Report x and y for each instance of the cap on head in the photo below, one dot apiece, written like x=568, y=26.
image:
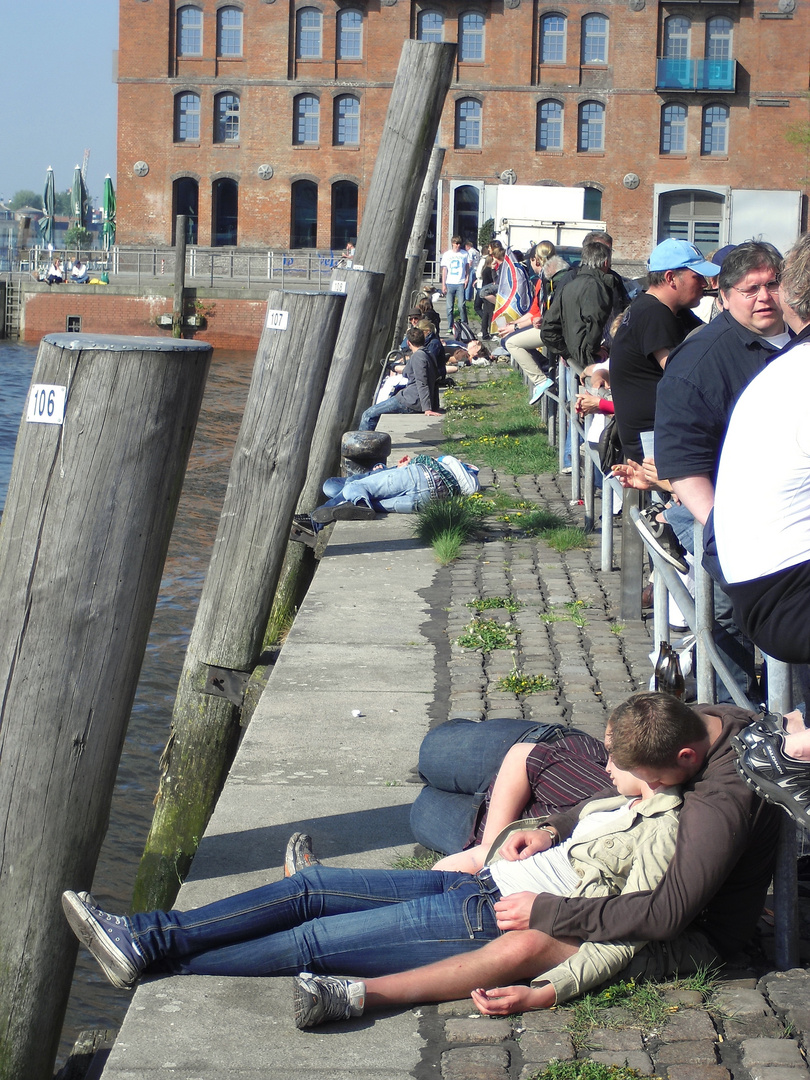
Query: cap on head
x=721, y=254
x=415, y=314
x=672, y=254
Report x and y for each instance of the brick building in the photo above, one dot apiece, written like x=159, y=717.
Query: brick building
x=260, y=119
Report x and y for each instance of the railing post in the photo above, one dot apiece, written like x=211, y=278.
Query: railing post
x=704, y=621
x=632, y=558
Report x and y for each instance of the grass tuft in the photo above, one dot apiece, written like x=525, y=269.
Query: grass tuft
x=566, y=538
x=503, y=603
x=417, y=862
x=585, y=1070
x=487, y=634
x=517, y=682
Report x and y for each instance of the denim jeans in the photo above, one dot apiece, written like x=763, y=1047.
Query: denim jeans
x=455, y=293
x=370, y=418
x=325, y=919
x=401, y=490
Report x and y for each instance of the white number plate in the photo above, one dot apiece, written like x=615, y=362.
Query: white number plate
x=277, y=320
x=46, y=404
x=339, y=286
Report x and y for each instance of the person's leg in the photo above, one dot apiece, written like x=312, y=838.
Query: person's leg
x=325, y=920
x=370, y=418
x=393, y=491
x=514, y=957
x=524, y=348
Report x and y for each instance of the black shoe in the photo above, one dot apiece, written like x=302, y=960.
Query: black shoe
x=661, y=538
x=299, y=534
x=781, y=780
x=766, y=723
x=345, y=511
x=303, y=521
x=299, y=854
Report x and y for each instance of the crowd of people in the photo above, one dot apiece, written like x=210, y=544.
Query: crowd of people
x=569, y=860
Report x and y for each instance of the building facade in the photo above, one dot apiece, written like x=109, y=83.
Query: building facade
x=260, y=119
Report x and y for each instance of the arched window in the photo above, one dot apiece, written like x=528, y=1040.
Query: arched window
x=715, y=130
x=344, y=213
x=466, y=216
x=468, y=123
x=308, y=34
x=591, y=126
x=677, y=33
x=594, y=39
x=471, y=36
x=229, y=31
x=306, y=120
x=549, y=125
x=226, y=118
x=185, y=200
x=349, y=34
x=225, y=212
x=187, y=117
x=592, y=204
x=304, y=214
x=552, y=39
x=430, y=26
x=718, y=38
x=347, y=121
x=673, y=129
x=189, y=31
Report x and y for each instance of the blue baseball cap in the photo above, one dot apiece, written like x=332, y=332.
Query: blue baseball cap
x=672, y=254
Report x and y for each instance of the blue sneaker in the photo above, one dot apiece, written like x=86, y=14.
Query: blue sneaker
x=107, y=937
x=539, y=390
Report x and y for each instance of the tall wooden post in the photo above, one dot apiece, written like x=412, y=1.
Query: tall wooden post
x=416, y=245
x=91, y=502
x=267, y=471
x=414, y=110
x=179, y=301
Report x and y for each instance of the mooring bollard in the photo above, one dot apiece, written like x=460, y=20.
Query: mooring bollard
x=360, y=451
x=97, y=475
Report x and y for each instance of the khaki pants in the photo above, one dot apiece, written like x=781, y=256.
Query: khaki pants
x=682, y=955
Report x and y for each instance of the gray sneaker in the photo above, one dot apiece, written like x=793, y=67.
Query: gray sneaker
x=774, y=776
x=299, y=854
x=763, y=725
x=107, y=937
x=661, y=538
x=320, y=999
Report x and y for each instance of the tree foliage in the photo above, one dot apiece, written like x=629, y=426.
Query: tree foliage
x=25, y=197
x=78, y=237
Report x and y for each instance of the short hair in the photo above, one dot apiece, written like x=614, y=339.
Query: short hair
x=427, y=326
x=455, y=239
x=415, y=336
x=659, y=277
x=601, y=237
x=497, y=249
x=796, y=278
x=649, y=729
x=595, y=255
x=752, y=255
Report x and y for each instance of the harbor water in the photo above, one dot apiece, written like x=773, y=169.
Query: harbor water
x=94, y=1003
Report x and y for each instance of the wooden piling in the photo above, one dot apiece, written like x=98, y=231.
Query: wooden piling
x=415, y=254
x=179, y=300
x=84, y=534
x=267, y=472
x=414, y=110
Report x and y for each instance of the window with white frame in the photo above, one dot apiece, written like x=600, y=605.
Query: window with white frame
x=308, y=34
x=552, y=39
x=306, y=120
x=677, y=35
x=187, y=117
x=714, y=140
x=468, y=124
x=591, y=127
x=430, y=26
x=549, y=125
x=718, y=38
x=673, y=129
x=226, y=118
x=229, y=31
x=350, y=34
x=347, y=120
x=189, y=31
x=471, y=36
x=594, y=39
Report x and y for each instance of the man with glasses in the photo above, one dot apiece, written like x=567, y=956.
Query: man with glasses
x=702, y=380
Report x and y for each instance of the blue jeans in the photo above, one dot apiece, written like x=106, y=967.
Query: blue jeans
x=325, y=919
x=455, y=294
x=370, y=418
x=399, y=490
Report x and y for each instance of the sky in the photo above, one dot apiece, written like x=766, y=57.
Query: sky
x=57, y=92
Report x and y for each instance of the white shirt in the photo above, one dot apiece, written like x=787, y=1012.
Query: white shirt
x=456, y=263
x=762, y=496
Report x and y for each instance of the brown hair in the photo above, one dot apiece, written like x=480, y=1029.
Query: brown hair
x=649, y=730
x=796, y=278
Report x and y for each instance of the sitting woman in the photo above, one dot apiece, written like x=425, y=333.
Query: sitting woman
x=79, y=274
x=54, y=275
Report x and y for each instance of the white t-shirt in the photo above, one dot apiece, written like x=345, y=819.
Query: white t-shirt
x=551, y=871
x=456, y=263
x=762, y=497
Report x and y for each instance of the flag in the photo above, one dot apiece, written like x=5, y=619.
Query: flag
x=514, y=294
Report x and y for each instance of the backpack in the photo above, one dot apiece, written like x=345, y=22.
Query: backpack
x=462, y=333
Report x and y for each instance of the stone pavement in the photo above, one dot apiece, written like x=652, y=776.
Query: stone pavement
x=370, y=664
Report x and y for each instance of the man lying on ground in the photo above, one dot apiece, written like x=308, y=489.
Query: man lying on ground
x=377, y=922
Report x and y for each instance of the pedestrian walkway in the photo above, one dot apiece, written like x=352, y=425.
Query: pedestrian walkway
x=370, y=665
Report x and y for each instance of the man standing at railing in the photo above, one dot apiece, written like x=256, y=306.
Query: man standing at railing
x=703, y=378
x=455, y=274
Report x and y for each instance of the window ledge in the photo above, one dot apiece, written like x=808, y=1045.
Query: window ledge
x=352, y=60
x=309, y=59
x=714, y=157
x=346, y=146
x=592, y=153
x=551, y=153
x=230, y=59
x=227, y=143
x=468, y=150
x=188, y=142
x=306, y=146
x=672, y=157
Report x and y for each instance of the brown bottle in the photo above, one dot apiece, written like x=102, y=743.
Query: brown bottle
x=672, y=680
x=661, y=665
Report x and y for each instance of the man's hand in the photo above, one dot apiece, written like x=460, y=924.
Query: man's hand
x=404, y=461
x=431, y=412
x=513, y=912
x=505, y=1000
x=587, y=403
x=524, y=843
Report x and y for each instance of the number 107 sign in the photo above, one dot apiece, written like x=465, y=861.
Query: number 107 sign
x=46, y=404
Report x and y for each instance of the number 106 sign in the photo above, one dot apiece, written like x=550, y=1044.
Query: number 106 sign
x=46, y=404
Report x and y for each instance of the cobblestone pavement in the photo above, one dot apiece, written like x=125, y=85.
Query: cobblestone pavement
x=568, y=629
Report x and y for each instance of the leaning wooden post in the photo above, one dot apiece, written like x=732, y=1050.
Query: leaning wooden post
x=414, y=110
x=179, y=301
x=97, y=474
x=267, y=471
x=416, y=245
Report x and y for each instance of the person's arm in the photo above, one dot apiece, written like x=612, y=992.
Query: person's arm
x=505, y=1000
x=697, y=495
x=444, y=278
x=419, y=367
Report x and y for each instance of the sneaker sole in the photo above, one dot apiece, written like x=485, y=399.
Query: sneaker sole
x=120, y=971
x=302, y=1004
x=771, y=792
x=344, y=513
x=667, y=556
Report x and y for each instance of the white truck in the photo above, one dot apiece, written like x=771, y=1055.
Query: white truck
x=525, y=214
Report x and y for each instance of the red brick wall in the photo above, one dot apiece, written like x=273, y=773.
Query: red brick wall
x=231, y=323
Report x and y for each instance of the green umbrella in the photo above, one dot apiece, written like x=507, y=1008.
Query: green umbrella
x=78, y=198
x=46, y=223
x=108, y=213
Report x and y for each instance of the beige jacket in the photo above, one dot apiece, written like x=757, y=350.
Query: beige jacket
x=628, y=856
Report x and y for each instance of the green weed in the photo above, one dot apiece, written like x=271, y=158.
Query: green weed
x=585, y=1070
x=505, y=603
x=417, y=862
x=517, y=682
x=487, y=634
x=566, y=538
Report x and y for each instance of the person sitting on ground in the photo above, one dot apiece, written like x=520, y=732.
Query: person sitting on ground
x=473, y=353
x=79, y=274
x=54, y=275
x=419, y=395
x=424, y=305
x=434, y=347
x=304, y=923
x=404, y=488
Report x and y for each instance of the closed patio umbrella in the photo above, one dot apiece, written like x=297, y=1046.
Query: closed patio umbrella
x=108, y=213
x=46, y=223
x=78, y=198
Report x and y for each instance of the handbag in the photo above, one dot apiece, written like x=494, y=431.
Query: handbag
x=610, y=446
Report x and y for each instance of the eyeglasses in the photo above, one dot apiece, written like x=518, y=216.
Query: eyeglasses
x=754, y=291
